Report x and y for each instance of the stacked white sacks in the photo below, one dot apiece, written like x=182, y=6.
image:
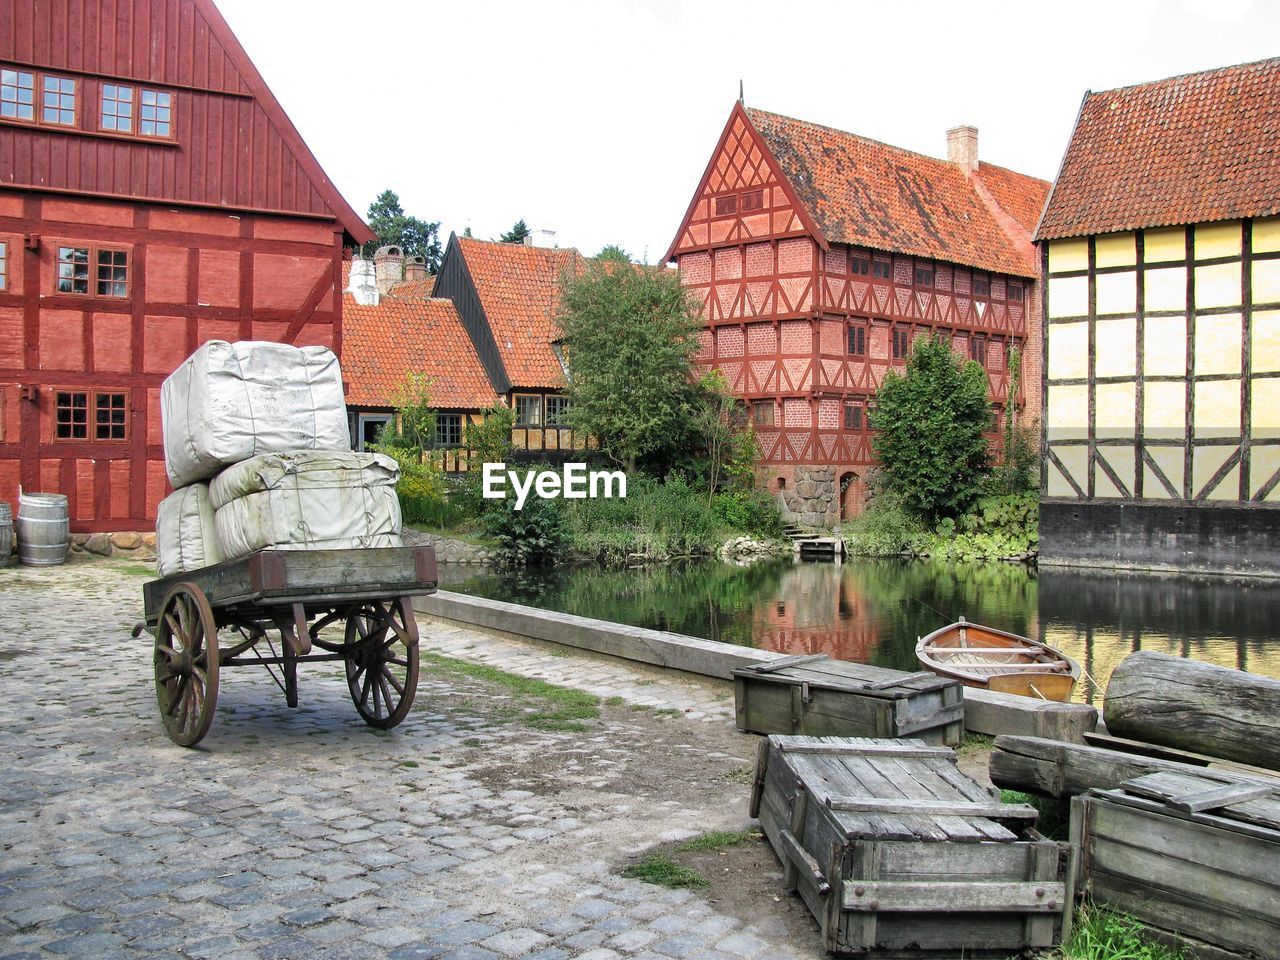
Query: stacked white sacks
x=257, y=449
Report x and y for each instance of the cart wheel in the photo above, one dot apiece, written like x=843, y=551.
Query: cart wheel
x=186, y=664
x=382, y=665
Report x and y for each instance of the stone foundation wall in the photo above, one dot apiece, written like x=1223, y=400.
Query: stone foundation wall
x=807, y=495
x=126, y=545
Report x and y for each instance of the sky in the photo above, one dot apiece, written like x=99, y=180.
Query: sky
x=597, y=119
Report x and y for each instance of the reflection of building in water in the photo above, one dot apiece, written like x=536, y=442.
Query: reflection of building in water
x=817, y=610
x=1099, y=619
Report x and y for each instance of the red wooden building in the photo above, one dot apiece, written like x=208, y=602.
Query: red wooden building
x=819, y=255
x=153, y=195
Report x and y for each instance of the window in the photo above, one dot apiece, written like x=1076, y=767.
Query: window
x=111, y=276
x=853, y=416
x=370, y=427
x=58, y=101
x=17, y=95
x=111, y=422
x=924, y=275
x=73, y=270
x=1015, y=292
x=156, y=114
x=762, y=413
x=117, y=108
x=981, y=286
x=901, y=342
x=557, y=411
x=860, y=266
x=978, y=350
x=752, y=200
x=726, y=205
x=71, y=416
x=4, y=265
x=882, y=269
x=528, y=411
x=449, y=430
x=858, y=341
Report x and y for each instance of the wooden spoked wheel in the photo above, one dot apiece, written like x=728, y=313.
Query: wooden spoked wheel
x=382, y=660
x=186, y=664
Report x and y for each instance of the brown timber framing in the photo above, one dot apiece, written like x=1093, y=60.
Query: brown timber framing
x=1244, y=441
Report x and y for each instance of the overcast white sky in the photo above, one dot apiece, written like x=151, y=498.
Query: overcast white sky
x=596, y=119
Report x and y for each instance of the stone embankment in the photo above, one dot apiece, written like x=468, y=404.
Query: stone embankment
x=449, y=550
x=747, y=549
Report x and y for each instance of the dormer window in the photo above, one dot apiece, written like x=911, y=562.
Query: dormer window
x=17, y=95
x=117, y=108
x=58, y=101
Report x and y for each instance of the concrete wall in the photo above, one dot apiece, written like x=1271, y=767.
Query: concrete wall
x=1145, y=535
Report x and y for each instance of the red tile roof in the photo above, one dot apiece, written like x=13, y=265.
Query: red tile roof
x=863, y=192
x=1189, y=149
x=519, y=291
x=401, y=335
x=415, y=289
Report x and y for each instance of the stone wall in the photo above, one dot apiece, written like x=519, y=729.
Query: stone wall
x=809, y=497
x=126, y=545
x=449, y=550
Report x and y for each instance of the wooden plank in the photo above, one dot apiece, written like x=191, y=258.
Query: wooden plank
x=885, y=896
x=796, y=859
x=1125, y=745
x=866, y=748
x=1217, y=797
x=783, y=663
x=903, y=681
x=934, y=808
x=1042, y=870
x=1169, y=786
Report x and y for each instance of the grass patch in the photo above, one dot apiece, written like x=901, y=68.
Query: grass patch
x=138, y=570
x=974, y=743
x=614, y=702
x=665, y=872
x=1102, y=934
x=553, y=708
x=715, y=840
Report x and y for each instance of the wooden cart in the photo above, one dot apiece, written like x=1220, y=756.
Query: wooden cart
x=295, y=595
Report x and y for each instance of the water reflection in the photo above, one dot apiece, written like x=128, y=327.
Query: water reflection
x=873, y=611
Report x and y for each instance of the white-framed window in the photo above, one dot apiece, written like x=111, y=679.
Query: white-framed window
x=557, y=411
x=528, y=410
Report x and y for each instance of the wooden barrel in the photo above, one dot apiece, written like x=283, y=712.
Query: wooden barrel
x=6, y=533
x=43, y=528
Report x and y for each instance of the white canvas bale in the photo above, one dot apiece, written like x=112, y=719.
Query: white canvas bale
x=308, y=500
x=185, y=534
x=232, y=401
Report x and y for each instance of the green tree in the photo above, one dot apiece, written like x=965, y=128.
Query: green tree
x=929, y=426
x=414, y=413
x=630, y=337
x=418, y=238
x=611, y=251
x=489, y=439
x=517, y=234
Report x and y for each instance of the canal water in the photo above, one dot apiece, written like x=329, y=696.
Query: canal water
x=872, y=611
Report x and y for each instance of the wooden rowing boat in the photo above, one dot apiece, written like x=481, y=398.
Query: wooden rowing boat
x=992, y=659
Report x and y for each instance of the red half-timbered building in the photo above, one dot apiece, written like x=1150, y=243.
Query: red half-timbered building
x=818, y=256
x=153, y=195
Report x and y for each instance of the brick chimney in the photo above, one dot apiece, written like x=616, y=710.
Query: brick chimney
x=415, y=268
x=962, y=148
x=388, y=266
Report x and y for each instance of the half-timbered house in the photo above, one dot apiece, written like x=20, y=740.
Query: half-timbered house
x=508, y=295
x=818, y=256
x=389, y=337
x=153, y=195
x=1161, y=246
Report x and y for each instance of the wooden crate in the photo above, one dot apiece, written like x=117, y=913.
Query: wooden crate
x=1193, y=854
x=819, y=697
x=898, y=854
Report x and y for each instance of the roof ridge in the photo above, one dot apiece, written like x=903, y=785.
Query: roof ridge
x=1016, y=173
x=1183, y=76
x=855, y=136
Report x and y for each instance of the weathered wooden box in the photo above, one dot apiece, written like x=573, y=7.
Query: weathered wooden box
x=898, y=854
x=1195, y=855
x=820, y=697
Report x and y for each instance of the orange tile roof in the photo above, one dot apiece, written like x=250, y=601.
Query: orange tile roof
x=864, y=192
x=401, y=335
x=1188, y=149
x=518, y=288
x=415, y=289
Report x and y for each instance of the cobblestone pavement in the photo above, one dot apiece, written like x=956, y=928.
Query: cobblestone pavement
x=464, y=834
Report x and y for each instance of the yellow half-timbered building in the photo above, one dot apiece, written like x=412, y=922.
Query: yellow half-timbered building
x=1161, y=249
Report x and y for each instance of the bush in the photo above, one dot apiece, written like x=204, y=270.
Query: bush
x=996, y=527
x=655, y=520
x=750, y=511
x=886, y=528
x=533, y=534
